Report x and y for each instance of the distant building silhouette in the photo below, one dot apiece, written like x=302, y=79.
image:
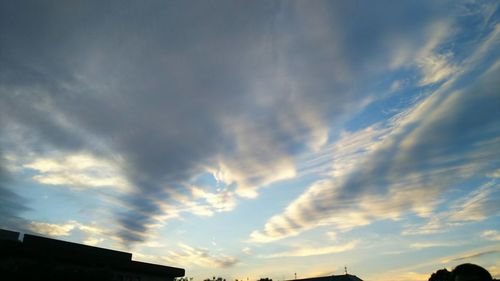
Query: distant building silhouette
x=344, y=277
x=39, y=258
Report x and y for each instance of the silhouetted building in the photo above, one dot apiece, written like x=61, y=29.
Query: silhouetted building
x=9, y=235
x=39, y=258
x=344, y=277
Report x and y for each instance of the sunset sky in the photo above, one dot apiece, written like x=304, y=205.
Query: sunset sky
x=249, y=139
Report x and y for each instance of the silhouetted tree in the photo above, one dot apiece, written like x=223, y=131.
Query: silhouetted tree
x=265, y=279
x=441, y=275
x=214, y=279
x=469, y=271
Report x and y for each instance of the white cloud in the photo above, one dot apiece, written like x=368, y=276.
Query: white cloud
x=433, y=64
x=250, y=173
x=305, y=251
x=494, y=174
x=199, y=256
x=78, y=171
x=477, y=205
x=493, y=235
x=436, y=66
x=425, y=245
x=247, y=251
x=50, y=229
x=332, y=235
x=222, y=200
x=198, y=201
x=94, y=235
x=93, y=241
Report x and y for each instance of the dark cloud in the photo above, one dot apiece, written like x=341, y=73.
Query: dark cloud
x=158, y=84
x=150, y=82
x=11, y=204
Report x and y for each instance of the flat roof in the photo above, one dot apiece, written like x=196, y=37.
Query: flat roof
x=9, y=235
x=42, y=248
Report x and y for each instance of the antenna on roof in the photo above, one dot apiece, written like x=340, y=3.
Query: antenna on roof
x=345, y=268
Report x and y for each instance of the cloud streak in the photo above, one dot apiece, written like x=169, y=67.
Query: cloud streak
x=311, y=251
x=440, y=142
x=193, y=256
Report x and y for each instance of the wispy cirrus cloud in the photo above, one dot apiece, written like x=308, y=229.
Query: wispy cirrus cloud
x=425, y=245
x=306, y=251
x=185, y=254
x=472, y=255
x=475, y=206
x=439, y=139
x=202, y=257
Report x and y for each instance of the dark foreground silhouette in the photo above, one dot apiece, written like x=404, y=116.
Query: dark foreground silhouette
x=37, y=258
x=463, y=272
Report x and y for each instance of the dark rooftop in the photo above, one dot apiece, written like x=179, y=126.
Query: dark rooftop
x=344, y=277
x=41, y=250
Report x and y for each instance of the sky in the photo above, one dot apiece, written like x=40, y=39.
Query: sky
x=249, y=139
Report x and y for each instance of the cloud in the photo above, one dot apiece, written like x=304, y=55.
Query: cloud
x=247, y=251
x=250, y=174
x=477, y=205
x=425, y=245
x=168, y=114
x=495, y=174
x=77, y=171
x=53, y=230
x=493, y=235
x=92, y=234
x=93, y=241
x=442, y=141
x=238, y=96
x=11, y=204
x=436, y=66
x=472, y=255
x=200, y=257
x=221, y=200
x=302, y=251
